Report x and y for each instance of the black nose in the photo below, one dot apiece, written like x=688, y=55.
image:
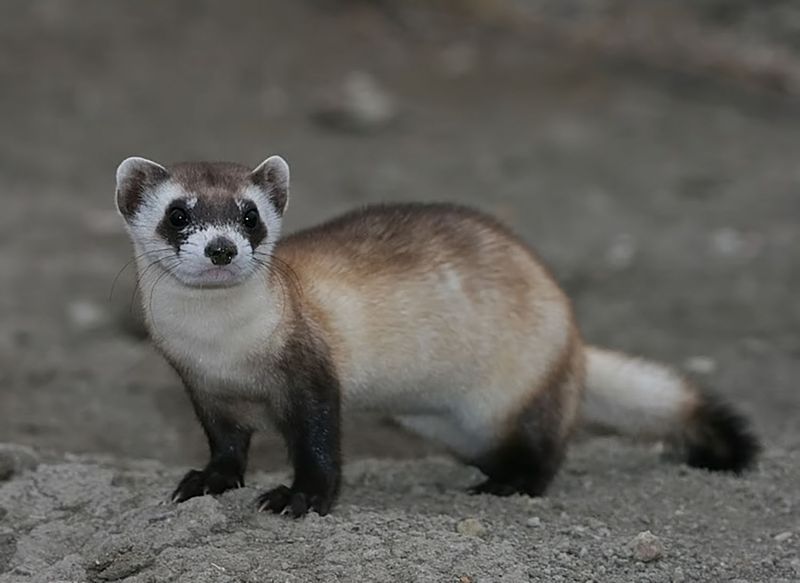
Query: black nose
x=221, y=251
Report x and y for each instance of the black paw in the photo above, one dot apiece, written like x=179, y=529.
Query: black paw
x=208, y=481
x=495, y=488
x=294, y=502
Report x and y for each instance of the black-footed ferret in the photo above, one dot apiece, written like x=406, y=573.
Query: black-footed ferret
x=432, y=313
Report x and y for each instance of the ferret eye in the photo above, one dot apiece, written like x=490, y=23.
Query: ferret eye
x=178, y=217
x=250, y=219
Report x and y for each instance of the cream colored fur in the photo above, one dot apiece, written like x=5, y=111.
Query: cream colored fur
x=635, y=397
x=451, y=370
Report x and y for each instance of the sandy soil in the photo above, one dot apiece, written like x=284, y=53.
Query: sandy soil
x=667, y=205
x=104, y=520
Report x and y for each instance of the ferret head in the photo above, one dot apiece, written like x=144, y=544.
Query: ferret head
x=206, y=224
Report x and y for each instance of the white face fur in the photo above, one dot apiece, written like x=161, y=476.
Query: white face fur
x=208, y=225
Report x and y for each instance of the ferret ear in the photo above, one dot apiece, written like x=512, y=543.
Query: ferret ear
x=135, y=176
x=272, y=175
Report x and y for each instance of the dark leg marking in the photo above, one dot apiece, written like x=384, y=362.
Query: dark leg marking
x=527, y=460
x=311, y=426
x=229, y=445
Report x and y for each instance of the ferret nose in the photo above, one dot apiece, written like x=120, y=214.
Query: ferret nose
x=221, y=251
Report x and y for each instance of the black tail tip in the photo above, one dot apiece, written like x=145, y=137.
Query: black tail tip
x=719, y=438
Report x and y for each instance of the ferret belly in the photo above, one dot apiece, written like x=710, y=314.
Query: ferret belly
x=419, y=361
x=387, y=387
x=410, y=360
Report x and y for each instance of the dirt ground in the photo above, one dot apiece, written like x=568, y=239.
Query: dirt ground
x=665, y=199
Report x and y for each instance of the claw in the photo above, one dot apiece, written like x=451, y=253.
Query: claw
x=284, y=501
x=204, y=482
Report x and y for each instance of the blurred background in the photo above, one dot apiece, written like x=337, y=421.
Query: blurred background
x=648, y=150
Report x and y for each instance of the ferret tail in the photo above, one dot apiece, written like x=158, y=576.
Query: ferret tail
x=647, y=400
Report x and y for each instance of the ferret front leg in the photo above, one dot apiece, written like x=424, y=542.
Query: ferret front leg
x=311, y=426
x=228, y=444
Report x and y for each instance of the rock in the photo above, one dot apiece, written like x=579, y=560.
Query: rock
x=360, y=105
x=783, y=537
x=15, y=459
x=646, y=547
x=471, y=527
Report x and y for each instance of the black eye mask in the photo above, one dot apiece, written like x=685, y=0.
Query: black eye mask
x=180, y=221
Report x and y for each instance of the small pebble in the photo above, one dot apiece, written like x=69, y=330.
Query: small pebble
x=85, y=315
x=646, y=547
x=700, y=365
x=359, y=105
x=471, y=527
x=727, y=242
x=622, y=252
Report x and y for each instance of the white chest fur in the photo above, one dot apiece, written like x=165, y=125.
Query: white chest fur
x=217, y=334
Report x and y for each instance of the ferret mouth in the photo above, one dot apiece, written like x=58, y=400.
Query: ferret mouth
x=214, y=277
